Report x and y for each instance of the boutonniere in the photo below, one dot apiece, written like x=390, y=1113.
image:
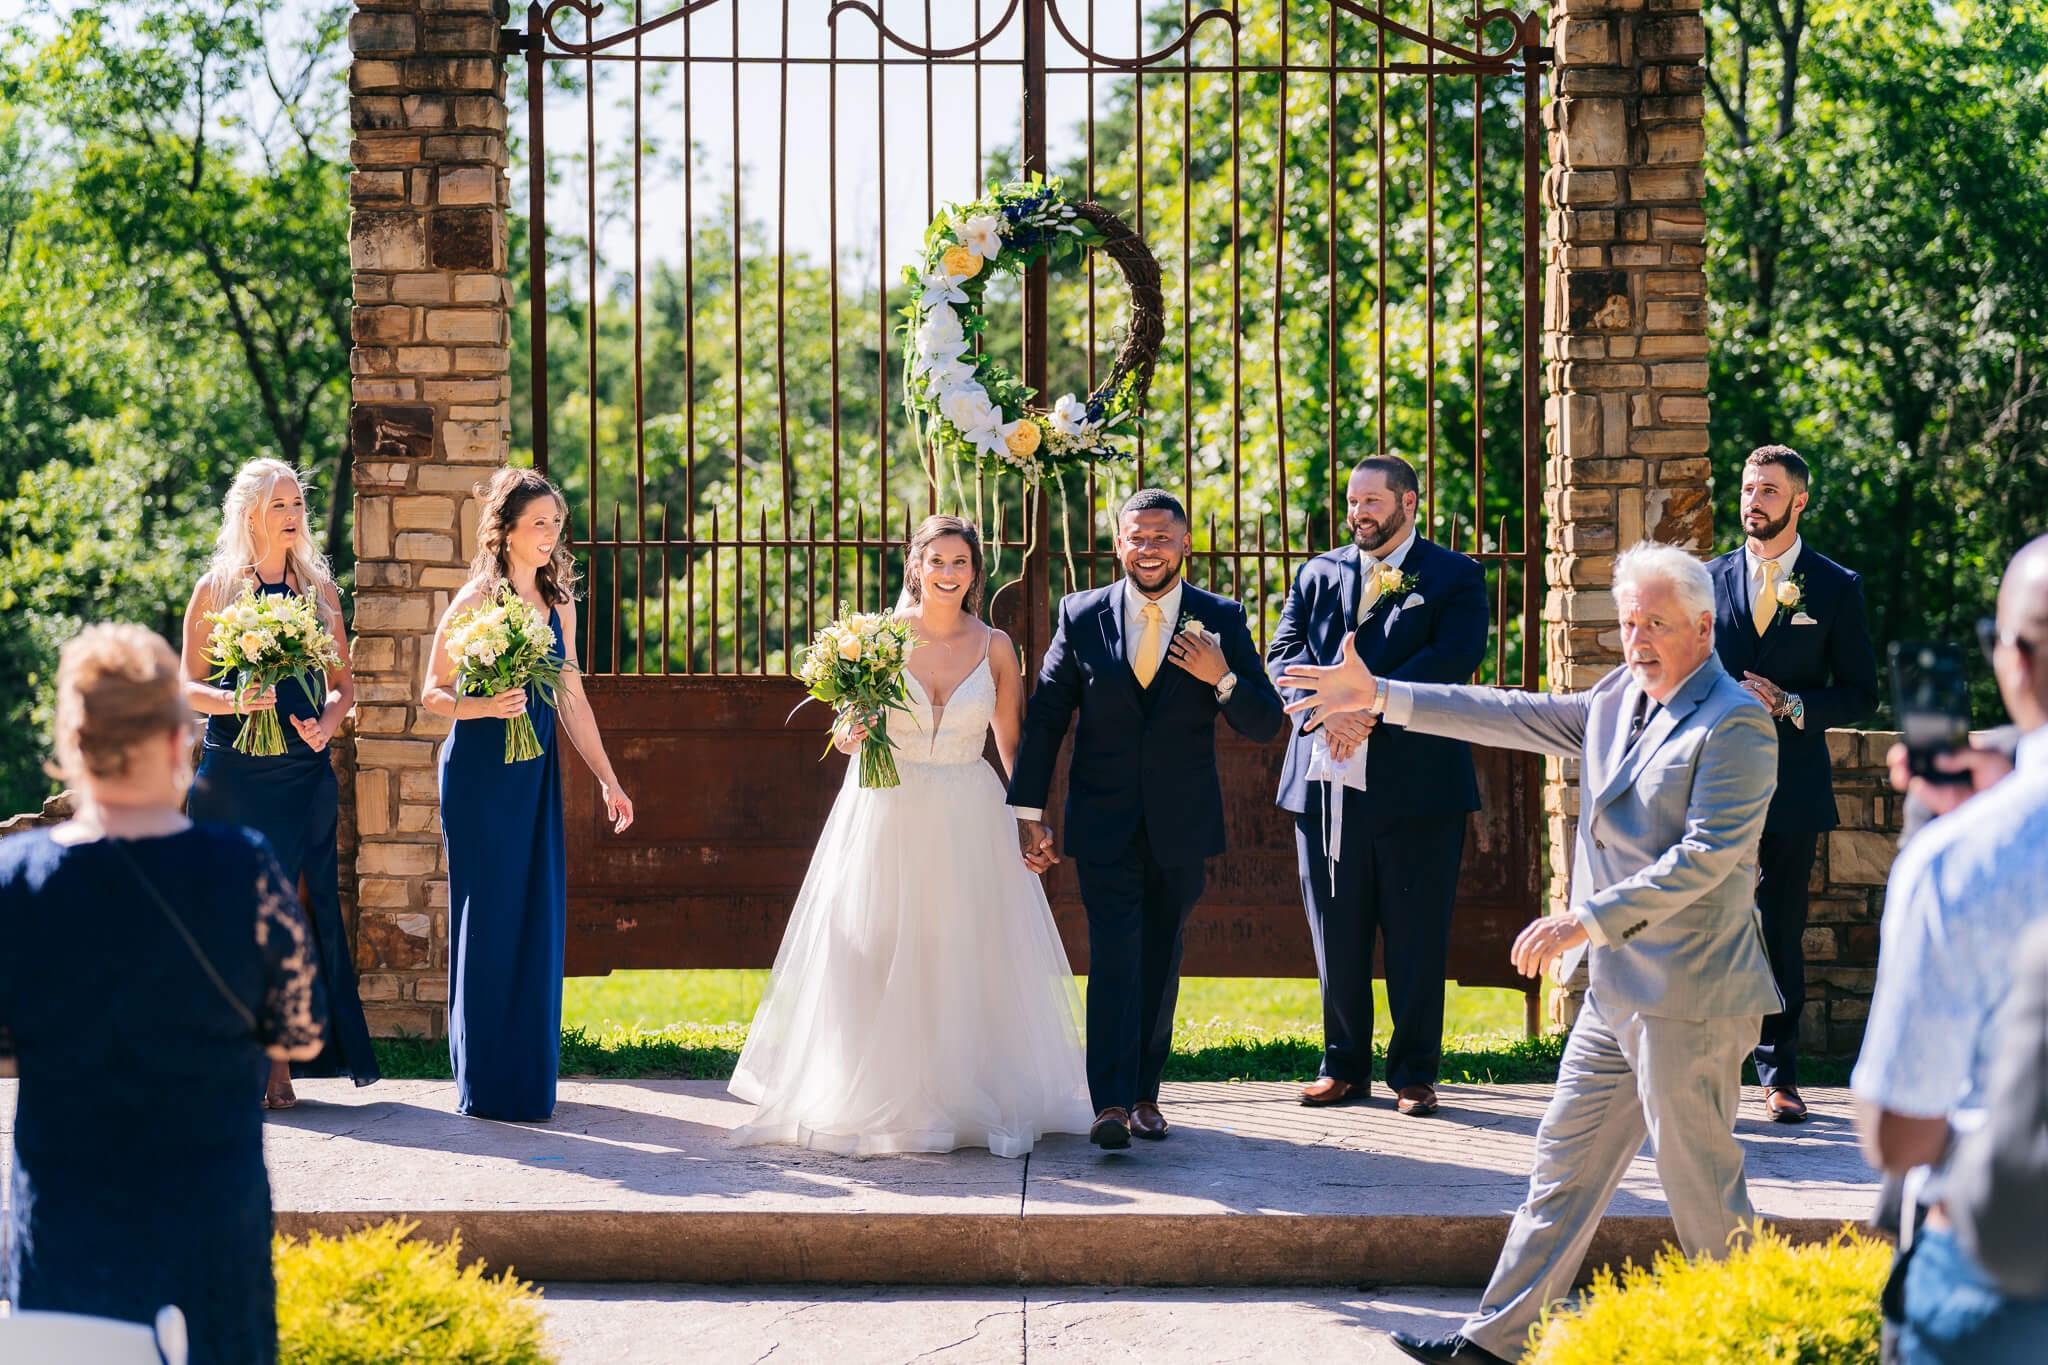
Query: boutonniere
x=1391, y=582
x=1191, y=625
x=1792, y=592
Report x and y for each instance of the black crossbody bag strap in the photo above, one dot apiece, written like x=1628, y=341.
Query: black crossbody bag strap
x=198, y=953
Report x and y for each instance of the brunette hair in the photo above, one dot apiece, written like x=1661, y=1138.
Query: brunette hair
x=938, y=528
x=506, y=498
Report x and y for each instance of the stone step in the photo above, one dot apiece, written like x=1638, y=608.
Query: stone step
x=636, y=1181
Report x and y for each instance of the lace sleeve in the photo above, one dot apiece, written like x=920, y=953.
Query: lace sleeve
x=292, y=1023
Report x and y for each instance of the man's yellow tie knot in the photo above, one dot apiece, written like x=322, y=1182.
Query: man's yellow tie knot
x=1146, y=662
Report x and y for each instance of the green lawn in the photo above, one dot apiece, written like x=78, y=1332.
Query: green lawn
x=693, y=1024
x=1276, y=1006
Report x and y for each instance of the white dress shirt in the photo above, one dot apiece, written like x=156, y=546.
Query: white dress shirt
x=1755, y=567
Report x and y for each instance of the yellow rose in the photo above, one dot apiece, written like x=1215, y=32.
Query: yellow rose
x=1024, y=439
x=960, y=263
x=1788, y=594
x=849, y=648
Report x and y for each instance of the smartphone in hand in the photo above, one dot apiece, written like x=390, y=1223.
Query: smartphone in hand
x=1931, y=699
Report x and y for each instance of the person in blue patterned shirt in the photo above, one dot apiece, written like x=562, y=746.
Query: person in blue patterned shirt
x=1960, y=896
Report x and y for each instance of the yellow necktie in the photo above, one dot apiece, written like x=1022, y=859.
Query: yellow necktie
x=1766, y=604
x=1145, y=663
x=1371, y=594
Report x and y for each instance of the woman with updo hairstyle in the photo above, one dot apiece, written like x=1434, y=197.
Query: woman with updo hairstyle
x=151, y=964
x=502, y=822
x=266, y=543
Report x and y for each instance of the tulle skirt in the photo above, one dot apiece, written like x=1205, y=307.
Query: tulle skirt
x=921, y=1000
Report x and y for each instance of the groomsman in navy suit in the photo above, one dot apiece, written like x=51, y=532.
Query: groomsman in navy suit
x=1788, y=624
x=1419, y=613
x=1146, y=666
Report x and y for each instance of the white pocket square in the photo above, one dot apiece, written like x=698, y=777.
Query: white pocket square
x=1414, y=599
x=1802, y=619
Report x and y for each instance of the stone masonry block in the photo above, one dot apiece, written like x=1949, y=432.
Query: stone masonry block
x=386, y=241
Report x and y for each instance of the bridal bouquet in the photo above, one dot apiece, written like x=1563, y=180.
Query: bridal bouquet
x=502, y=644
x=258, y=641
x=855, y=666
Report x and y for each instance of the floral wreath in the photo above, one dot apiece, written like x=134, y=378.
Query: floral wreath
x=967, y=406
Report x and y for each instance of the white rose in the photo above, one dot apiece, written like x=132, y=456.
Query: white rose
x=1788, y=594
x=1069, y=415
x=849, y=649
x=969, y=410
x=253, y=643
x=940, y=330
x=982, y=234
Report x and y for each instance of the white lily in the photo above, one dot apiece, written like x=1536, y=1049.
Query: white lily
x=993, y=439
x=939, y=287
x=1069, y=415
x=982, y=234
x=943, y=375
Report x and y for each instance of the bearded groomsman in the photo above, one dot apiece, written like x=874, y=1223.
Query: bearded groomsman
x=1380, y=827
x=1789, y=626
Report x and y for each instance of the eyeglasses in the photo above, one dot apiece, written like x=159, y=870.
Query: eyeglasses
x=1989, y=638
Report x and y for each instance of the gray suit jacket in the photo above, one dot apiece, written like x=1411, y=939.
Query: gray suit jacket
x=1666, y=861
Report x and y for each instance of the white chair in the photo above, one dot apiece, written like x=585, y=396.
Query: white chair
x=73, y=1339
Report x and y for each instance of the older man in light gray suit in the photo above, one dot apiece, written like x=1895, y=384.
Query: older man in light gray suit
x=1678, y=766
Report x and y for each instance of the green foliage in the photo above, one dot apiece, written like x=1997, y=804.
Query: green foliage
x=1878, y=272
x=376, y=1296
x=173, y=300
x=1769, y=1303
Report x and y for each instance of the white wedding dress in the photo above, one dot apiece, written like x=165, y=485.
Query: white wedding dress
x=921, y=1000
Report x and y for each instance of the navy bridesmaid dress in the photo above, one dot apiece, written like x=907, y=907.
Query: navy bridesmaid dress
x=507, y=908
x=292, y=800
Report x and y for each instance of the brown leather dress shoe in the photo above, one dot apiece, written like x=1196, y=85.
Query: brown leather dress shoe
x=1327, y=1090
x=1147, y=1122
x=1783, y=1104
x=1416, y=1101
x=1112, y=1129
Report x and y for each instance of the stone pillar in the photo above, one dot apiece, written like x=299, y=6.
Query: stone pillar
x=1625, y=334
x=429, y=420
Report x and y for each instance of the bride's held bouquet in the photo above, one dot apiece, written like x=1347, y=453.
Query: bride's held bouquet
x=258, y=641
x=500, y=644
x=855, y=666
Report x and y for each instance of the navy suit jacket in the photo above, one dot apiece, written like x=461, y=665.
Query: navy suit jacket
x=1143, y=757
x=1829, y=663
x=1440, y=639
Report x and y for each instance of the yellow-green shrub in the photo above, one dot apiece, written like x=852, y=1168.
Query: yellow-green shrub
x=1768, y=1302
x=374, y=1297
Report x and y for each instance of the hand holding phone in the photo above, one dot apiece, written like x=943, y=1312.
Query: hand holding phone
x=1931, y=698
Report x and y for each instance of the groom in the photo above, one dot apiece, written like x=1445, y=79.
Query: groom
x=1147, y=663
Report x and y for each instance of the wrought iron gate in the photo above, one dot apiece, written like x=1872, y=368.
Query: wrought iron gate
x=1344, y=202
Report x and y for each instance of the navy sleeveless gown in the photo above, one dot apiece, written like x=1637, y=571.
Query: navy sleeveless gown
x=507, y=908
x=292, y=800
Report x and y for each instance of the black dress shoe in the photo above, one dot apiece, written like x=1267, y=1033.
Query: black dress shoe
x=1450, y=1350
x=1112, y=1129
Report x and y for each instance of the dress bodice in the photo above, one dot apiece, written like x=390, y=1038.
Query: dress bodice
x=948, y=735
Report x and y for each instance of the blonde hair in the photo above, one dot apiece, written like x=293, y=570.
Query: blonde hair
x=236, y=553
x=936, y=528
x=117, y=686
x=505, y=498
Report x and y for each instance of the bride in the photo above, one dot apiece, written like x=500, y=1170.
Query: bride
x=921, y=1000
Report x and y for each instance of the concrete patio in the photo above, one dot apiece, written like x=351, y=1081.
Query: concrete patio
x=636, y=1181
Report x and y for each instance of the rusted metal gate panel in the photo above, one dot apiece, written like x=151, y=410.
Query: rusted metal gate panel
x=1359, y=275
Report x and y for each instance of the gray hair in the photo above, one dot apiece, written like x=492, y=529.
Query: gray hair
x=1651, y=561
